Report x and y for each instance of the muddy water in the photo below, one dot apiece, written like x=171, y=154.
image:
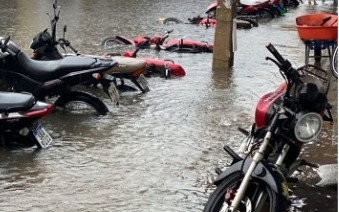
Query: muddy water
x=156, y=151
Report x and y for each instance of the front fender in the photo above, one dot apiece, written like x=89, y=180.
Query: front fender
x=124, y=40
x=264, y=172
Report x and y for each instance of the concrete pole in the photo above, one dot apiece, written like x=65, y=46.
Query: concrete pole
x=223, y=45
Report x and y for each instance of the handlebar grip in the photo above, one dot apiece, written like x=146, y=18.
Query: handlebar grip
x=275, y=53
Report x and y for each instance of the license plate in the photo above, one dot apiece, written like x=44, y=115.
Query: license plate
x=143, y=82
x=113, y=93
x=42, y=136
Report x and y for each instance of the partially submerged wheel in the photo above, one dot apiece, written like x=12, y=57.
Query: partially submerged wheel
x=264, y=15
x=335, y=63
x=172, y=20
x=258, y=197
x=112, y=42
x=80, y=102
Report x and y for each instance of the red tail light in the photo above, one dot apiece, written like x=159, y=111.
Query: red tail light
x=39, y=112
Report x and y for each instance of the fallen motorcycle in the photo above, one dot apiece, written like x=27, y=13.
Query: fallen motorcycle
x=19, y=120
x=285, y=120
x=161, y=43
x=261, y=11
x=45, y=45
x=56, y=79
x=241, y=22
x=164, y=68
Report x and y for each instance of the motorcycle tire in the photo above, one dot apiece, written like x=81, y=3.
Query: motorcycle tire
x=251, y=21
x=334, y=63
x=111, y=42
x=88, y=99
x=172, y=20
x=217, y=199
x=265, y=15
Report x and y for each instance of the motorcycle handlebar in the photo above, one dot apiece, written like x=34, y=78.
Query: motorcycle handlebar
x=283, y=64
x=65, y=42
x=275, y=53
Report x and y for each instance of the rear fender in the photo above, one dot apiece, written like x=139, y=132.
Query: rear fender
x=268, y=174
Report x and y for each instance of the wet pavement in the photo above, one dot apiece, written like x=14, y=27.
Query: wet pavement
x=156, y=151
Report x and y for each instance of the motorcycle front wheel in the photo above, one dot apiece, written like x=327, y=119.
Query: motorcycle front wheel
x=259, y=197
x=81, y=102
x=112, y=42
x=171, y=20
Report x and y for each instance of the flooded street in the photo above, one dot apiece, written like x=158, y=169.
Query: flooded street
x=155, y=151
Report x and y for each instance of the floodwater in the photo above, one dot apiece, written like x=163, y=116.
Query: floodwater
x=156, y=151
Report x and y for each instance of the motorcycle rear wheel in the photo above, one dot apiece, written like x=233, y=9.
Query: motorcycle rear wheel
x=81, y=102
x=272, y=203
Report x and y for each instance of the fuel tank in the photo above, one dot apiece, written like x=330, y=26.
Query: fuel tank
x=264, y=108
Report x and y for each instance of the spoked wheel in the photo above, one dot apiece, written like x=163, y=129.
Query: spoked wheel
x=78, y=102
x=335, y=63
x=258, y=198
x=171, y=20
x=265, y=15
x=112, y=42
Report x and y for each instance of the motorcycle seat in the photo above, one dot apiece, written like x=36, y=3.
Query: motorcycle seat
x=15, y=102
x=43, y=71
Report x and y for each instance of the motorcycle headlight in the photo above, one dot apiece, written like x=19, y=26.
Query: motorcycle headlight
x=308, y=126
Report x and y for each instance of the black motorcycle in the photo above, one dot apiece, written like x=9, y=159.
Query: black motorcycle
x=56, y=79
x=285, y=120
x=19, y=120
x=45, y=47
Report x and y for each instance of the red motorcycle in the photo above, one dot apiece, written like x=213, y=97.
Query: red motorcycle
x=246, y=12
x=285, y=120
x=260, y=10
x=164, y=68
x=160, y=43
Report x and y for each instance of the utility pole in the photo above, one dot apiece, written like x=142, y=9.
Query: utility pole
x=223, y=55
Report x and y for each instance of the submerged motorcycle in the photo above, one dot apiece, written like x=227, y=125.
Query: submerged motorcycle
x=164, y=68
x=161, y=43
x=259, y=10
x=285, y=120
x=19, y=115
x=45, y=47
x=55, y=79
x=243, y=22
